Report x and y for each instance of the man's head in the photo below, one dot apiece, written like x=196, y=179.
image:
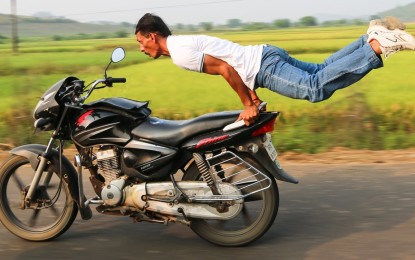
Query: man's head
x=149, y=30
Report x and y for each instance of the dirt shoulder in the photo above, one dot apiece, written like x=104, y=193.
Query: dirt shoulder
x=334, y=156
x=348, y=156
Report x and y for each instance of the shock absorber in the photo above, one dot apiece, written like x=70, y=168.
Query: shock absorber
x=204, y=171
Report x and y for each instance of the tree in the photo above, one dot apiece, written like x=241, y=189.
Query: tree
x=179, y=27
x=374, y=17
x=256, y=26
x=121, y=34
x=308, y=21
x=191, y=28
x=57, y=38
x=206, y=26
x=234, y=23
x=333, y=23
x=282, y=23
x=359, y=22
x=126, y=24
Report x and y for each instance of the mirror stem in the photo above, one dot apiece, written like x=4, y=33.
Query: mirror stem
x=105, y=71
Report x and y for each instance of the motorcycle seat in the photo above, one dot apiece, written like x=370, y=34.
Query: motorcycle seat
x=174, y=132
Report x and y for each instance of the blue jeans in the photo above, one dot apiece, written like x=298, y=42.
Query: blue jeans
x=316, y=82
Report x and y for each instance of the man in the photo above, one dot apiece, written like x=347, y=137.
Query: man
x=247, y=67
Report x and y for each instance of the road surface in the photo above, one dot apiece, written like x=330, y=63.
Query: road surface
x=337, y=211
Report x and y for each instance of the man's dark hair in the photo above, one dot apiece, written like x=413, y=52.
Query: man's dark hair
x=152, y=23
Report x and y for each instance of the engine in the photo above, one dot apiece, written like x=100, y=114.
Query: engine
x=109, y=167
x=161, y=197
x=108, y=164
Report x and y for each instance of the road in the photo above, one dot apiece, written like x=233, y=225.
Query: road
x=362, y=211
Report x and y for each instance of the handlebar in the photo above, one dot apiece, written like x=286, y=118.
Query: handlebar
x=107, y=82
x=116, y=80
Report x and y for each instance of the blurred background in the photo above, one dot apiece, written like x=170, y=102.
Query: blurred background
x=43, y=41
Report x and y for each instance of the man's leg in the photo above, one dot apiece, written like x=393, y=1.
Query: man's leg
x=313, y=68
x=316, y=82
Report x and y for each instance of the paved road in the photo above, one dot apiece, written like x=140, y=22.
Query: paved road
x=336, y=212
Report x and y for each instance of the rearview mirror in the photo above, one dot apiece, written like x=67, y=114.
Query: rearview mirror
x=118, y=55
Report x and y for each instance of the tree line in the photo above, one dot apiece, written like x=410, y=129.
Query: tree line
x=306, y=21
x=231, y=24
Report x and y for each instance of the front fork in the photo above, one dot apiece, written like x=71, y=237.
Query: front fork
x=38, y=174
x=43, y=162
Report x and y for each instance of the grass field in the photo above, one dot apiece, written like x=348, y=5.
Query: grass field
x=375, y=113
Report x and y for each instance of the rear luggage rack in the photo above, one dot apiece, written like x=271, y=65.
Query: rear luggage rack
x=237, y=174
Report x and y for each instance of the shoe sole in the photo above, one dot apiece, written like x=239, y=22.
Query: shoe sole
x=389, y=22
x=393, y=23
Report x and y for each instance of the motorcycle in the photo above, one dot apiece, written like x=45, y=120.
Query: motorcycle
x=214, y=175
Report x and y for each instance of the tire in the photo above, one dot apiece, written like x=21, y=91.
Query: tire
x=257, y=216
x=40, y=224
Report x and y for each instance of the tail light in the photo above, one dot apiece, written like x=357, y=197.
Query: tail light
x=268, y=127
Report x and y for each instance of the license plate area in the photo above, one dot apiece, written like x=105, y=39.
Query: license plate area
x=269, y=147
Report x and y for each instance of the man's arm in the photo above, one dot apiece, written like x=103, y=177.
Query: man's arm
x=216, y=66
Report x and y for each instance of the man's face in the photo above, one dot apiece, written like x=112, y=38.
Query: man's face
x=149, y=44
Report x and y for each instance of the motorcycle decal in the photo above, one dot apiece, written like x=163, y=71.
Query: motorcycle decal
x=83, y=116
x=211, y=140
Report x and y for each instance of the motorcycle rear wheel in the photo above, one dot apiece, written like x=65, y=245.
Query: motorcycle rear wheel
x=53, y=215
x=257, y=216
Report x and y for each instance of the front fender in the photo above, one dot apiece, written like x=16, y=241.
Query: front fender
x=32, y=153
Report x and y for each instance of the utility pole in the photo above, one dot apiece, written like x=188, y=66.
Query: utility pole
x=15, y=36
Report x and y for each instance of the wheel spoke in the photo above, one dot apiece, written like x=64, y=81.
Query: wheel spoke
x=247, y=218
x=17, y=181
x=33, y=219
x=52, y=207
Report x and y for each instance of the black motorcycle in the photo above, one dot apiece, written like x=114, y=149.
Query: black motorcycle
x=214, y=175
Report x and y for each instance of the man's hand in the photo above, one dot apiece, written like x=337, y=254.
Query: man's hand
x=249, y=115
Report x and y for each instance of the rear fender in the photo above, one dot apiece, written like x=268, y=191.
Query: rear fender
x=32, y=153
x=261, y=156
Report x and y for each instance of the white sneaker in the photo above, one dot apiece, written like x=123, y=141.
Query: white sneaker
x=389, y=22
x=392, y=41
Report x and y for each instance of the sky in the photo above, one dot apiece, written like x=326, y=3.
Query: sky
x=197, y=11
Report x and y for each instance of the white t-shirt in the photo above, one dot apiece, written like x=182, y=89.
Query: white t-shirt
x=187, y=51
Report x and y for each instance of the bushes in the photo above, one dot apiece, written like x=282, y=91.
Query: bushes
x=355, y=127
x=84, y=36
x=16, y=126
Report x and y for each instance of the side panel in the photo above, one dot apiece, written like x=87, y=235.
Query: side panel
x=148, y=161
x=101, y=127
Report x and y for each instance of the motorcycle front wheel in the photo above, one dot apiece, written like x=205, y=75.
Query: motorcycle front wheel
x=257, y=215
x=52, y=210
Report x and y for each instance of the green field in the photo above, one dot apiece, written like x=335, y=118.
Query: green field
x=375, y=113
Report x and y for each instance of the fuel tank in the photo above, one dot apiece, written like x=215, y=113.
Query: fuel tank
x=109, y=121
x=101, y=127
